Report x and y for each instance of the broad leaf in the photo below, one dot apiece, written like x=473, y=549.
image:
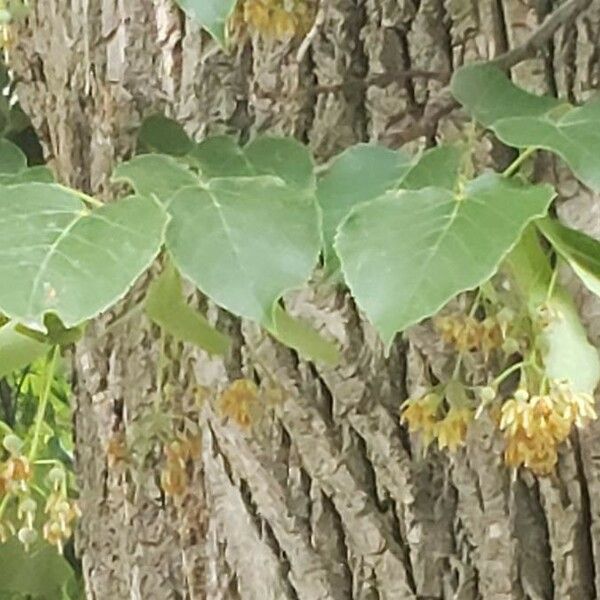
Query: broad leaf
x=37, y=174
x=581, y=251
x=489, y=95
x=163, y=135
x=166, y=306
x=57, y=256
x=211, y=14
x=155, y=175
x=286, y=158
x=361, y=173
x=17, y=350
x=306, y=341
x=437, y=167
x=406, y=254
x=12, y=159
x=244, y=241
x=575, y=137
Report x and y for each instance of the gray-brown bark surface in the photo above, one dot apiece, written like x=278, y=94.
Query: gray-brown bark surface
x=327, y=497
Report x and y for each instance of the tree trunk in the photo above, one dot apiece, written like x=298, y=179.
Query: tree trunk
x=326, y=497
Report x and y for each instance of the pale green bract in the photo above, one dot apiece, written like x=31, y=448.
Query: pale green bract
x=211, y=14
x=58, y=256
x=244, y=241
x=406, y=254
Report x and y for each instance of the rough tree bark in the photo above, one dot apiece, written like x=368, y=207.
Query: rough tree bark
x=325, y=500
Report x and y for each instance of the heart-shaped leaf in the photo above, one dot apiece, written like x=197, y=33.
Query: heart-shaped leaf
x=211, y=14
x=167, y=307
x=17, y=350
x=37, y=174
x=306, y=341
x=489, y=95
x=163, y=135
x=57, y=256
x=286, y=158
x=575, y=137
x=244, y=241
x=155, y=175
x=360, y=173
x=406, y=254
x=581, y=251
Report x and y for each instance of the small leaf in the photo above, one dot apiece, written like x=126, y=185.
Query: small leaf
x=406, y=254
x=575, y=137
x=581, y=251
x=17, y=350
x=211, y=14
x=58, y=334
x=489, y=95
x=286, y=158
x=57, y=256
x=12, y=159
x=306, y=341
x=360, y=173
x=437, y=167
x=163, y=135
x=166, y=306
x=244, y=241
x=155, y=175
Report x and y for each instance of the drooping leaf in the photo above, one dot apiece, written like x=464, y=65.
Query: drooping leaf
x=57, y=256
x=286, y=158
x=306, y=341
x=581, y=251
x=406, y=254
x=155, y=175
x=12, y=159
x=17, y=350
x=361, y=173
x=437, y=167
x=489, y=95
x=163, y=135
x=244, y=241
x=575, y=137
x=166, y=306
x=211, y=14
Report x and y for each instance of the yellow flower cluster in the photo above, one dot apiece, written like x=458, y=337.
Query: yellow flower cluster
x=426, y=416
x=174, y=478
x=277, y=19
x=466, y=333
x=240, y=402
x=535, y=426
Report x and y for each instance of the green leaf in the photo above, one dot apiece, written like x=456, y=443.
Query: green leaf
x=489, y=95
x=155, y=174
x=575, y=137
x=305, y=340
x=37, y=174
x=41, y=573
x=166, y=306
x=17, y=350
x=12, y=159
x=360, y=173
x=406, y=254
x=211, y=14
x=581, y=251
x=57, y=256
x=286, y=158
x=437, y=167
x=244, y=241
x=163, y=135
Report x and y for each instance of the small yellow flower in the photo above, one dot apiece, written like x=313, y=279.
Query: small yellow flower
x=452, y=429
x=420, y=414
x=240, y=402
